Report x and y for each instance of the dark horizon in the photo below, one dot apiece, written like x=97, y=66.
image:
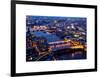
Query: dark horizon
x=67, y=20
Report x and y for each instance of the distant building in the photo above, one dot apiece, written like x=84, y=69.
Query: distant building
x=39, y=28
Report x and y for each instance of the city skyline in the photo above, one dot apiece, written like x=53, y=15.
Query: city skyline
x=55, y=36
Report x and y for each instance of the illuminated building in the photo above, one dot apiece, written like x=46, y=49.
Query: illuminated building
x=39, y=28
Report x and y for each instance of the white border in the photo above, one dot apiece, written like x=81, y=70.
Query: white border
x=22, y=66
